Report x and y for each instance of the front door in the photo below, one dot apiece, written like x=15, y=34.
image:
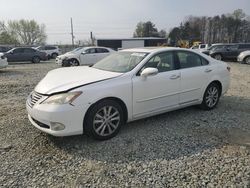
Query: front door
x=157, y=92
x=15, y=55
x=88, y=58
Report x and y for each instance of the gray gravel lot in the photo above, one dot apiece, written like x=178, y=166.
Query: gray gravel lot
x=184, y=148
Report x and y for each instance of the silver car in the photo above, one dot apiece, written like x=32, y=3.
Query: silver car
x=244, y=57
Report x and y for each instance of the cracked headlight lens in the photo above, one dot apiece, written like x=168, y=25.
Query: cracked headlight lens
x=63, y=98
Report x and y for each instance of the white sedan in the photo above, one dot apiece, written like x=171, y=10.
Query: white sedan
x=125, y=86
x=83, y=56
x=3, y=61
x=244, y=57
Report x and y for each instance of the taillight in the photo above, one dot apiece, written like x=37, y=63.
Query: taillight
x=228, y=68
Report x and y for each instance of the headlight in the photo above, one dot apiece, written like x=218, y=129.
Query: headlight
x=64, y=98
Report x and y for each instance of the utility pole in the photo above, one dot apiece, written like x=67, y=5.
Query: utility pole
x=91, y=37
x=72, y=32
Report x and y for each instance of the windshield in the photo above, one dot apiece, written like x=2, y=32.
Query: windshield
x=120, y=61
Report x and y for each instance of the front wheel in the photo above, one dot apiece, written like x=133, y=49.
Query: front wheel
x=73, y=62
x=54, y=55
x=211, y=97
x=218, y=57
x=104, y=120
x=36, y=59
x=247, y=60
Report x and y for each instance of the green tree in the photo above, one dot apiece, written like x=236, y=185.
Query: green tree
x=27, y=32
x=146, y=29
x=6, y=38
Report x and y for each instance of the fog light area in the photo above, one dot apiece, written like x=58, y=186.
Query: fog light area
x=55, y=126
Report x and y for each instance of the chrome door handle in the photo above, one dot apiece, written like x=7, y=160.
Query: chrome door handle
x=208, y=70
x=174, y=77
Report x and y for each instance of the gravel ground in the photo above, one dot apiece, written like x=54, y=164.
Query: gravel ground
x=184, y=148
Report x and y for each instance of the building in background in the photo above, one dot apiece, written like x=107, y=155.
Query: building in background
x=125, y=43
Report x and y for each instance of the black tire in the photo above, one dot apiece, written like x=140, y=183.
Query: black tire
x=218, y=57
x=209, y=102
x=36, y=59
x=247, y=60
x=72, y=62
x=54, y=55
x=104, y=128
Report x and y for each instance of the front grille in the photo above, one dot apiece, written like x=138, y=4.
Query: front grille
x=34, y=98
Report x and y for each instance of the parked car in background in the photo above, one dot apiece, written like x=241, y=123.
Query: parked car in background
x=83, y=56
x=244, y=57
x=3, y=61
x=5, y=48
x=52, y=51
x=125, y=86
x=230, y=51
x=200, y=46
x=212, y=47
x=25, y=54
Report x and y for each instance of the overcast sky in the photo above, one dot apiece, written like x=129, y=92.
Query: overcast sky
x=111, y=18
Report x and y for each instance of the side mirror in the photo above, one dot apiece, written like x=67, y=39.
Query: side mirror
x=83, y=53
x=149, y=72
x=11, y=52
x=228, y=49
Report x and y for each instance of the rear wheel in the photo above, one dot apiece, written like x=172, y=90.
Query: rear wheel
x=54, y=55
x=104, y=120
x=36, y=59
x=211, y=97
x=218, y=57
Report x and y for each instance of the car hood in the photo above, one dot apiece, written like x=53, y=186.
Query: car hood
x=64, y=79
x=67, y=55
x=245, y=52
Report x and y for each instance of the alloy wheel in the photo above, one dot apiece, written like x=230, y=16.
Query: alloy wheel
x=247, y=61
x=73, y=62
x=218, y=57
x=212, y=96
x=106, y=121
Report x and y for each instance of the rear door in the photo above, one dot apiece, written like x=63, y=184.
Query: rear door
x=232, y=51
x=195, y=71
x=16, y=55
x=101, y=53
x=28, y=54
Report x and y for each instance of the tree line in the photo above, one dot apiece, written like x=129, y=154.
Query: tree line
x=24, y=32
x=225, y=28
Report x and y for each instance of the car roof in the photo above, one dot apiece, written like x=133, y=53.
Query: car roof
x=152, y=49
x=22, y=47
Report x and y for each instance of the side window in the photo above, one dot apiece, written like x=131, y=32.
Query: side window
x=101, y=50
x=163, y=62
x=91, y=51
x=18, y=50
x=233, y=47
x=244, y=46
x=50, y=48
x=28, y=50
x=202, y=46
x=188, y=60
x=204, y=61
x=41, y=48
